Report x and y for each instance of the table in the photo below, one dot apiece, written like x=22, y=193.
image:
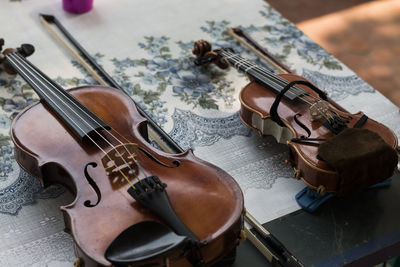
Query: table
x=361, y=230
x=146, y=47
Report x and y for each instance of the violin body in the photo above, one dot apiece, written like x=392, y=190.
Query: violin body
x=256, y=101
x=207, y=200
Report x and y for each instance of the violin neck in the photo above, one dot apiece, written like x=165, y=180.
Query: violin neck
x=66, y=107
x=260, y=74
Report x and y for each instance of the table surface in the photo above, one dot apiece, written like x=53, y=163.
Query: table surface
x=361, y=230
x=147, y=49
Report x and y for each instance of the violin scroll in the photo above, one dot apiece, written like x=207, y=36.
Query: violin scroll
x=25, y=50
x=204, y=54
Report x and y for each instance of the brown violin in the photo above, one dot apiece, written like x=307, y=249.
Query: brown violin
x=299, y=114
x=134, y=204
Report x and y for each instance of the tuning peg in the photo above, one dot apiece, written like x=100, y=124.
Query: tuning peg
x=1, y=48
x=6, y=66
x=1, y=44
x=201, y=48
x=204, y=55
x=26, y=50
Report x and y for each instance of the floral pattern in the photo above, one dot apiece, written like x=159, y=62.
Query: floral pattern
x=196, y=105
x=196, y=86
x=338, y=88
x=6, y=158
x=284, y=36
x=23, y=191
x=192, y=130
x=168, y=72
x=192, y=85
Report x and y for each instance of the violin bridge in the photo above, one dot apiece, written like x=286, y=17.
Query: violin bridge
x=318, y=110
x=120, y=162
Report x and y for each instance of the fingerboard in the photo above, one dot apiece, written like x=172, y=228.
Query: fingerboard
x=260, y=74
x=74, y=114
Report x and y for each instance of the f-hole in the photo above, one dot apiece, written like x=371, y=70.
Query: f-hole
x=93, y=184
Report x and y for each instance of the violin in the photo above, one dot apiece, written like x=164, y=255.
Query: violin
x=297, y=113
x=134, y=204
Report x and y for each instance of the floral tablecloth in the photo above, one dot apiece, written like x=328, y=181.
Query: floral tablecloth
x=146, y=46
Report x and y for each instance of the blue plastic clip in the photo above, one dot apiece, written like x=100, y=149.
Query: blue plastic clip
x=309, y=200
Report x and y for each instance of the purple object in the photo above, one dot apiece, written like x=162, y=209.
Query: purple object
x=77, y=6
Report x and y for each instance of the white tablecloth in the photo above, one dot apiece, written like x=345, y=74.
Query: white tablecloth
x=146, y=46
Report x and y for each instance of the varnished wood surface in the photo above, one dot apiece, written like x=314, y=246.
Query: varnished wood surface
x=204, y=197
x=256, y=99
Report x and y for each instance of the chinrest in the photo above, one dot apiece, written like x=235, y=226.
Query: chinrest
x=144, y=241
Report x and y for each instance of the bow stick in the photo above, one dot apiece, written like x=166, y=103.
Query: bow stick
x=155, y=131
x=245, y=39
x=276, y=252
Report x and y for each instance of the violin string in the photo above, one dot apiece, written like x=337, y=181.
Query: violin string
x=11, y=57
x=273, y=76
x=249, y=64
x=260, y=70
x=95, y=121
x=290, y=91
x=113, y=147
x=32, y=81
x=265, y=72
x=294, y=91
x=105, y=153
x=231, y=56
x=297, y=91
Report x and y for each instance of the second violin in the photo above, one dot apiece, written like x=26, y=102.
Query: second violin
x=331, y=150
